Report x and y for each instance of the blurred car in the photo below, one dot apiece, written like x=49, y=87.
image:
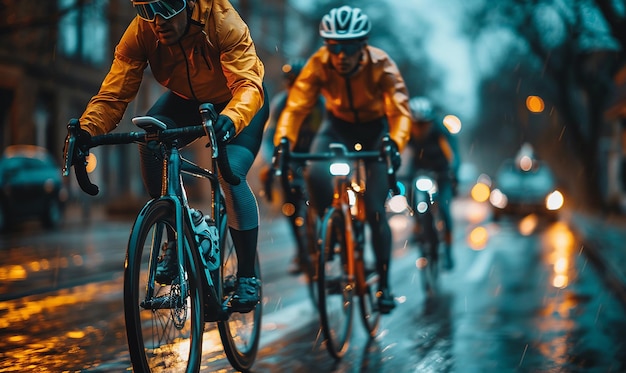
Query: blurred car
x=31, y=187
x=525, y=185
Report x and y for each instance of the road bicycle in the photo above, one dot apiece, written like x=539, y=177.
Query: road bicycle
x=343, y=268
x=165, y=323
x=424, y=207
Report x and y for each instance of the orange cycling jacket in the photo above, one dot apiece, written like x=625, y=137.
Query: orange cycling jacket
x=375, y=90
x=215, y=61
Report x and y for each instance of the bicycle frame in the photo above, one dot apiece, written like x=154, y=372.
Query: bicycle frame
x=347, y=182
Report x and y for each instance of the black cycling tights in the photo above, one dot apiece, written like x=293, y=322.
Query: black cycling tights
x=320, y=184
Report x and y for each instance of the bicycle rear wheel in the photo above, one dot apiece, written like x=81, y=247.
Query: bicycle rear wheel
x=240, y=334
x=367, y=283
x=334, y=290
x=164, y=324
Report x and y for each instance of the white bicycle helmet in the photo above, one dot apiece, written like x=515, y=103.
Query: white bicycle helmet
x=345, y=23
x=422, y=109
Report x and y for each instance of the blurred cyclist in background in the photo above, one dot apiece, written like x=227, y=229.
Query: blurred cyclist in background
x=295, y=193
x=366, y=98
x=435, y=149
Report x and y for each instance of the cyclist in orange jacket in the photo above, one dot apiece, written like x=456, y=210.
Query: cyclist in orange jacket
x=366, y=97
x=200, y=51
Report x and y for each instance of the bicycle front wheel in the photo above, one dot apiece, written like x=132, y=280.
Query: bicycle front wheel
x=240, y=334
x=428, y=263
x=334, y=289
x=312, y=253
x=164, y=323
x=367, y=283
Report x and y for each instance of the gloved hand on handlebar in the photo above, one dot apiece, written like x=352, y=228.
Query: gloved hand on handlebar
x=80, y=150
x=224, y=129
x=83, y=139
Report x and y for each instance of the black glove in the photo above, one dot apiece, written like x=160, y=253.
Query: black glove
x=396, y=160
x=224, y=129
x=83, y=140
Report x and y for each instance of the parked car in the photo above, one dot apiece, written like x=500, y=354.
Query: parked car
x=31, y=187
x=525, y=185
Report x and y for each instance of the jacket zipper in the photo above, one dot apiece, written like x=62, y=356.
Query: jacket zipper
x=187, y=68
x=350, y=100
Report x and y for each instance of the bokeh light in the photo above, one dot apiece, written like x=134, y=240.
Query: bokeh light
x=535, y=104
x=452, y=123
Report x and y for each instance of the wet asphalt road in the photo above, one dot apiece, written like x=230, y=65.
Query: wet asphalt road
x=522, y=298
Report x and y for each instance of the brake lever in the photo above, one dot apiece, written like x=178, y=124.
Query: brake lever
x=78, y=161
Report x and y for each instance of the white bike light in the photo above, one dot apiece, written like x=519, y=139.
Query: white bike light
x=339, y=168
x=425, y=184
x=422, y=207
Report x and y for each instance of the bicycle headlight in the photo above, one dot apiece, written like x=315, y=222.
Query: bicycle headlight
x=339, y=168
x=425, y=184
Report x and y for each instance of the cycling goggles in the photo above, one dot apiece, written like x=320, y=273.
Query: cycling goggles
x=348, y=48
x=167, y=9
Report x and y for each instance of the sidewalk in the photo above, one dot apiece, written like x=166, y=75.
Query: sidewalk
x=604, y=240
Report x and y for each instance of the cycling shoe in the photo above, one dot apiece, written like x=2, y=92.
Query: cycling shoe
x=246, y=296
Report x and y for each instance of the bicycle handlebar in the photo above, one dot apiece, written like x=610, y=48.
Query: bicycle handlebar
x=282, y=156
x=75, y=154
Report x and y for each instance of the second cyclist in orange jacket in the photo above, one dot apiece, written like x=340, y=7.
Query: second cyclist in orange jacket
x=366, y=98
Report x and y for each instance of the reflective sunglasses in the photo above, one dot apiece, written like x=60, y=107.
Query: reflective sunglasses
x=167, y=9
x=348, y=48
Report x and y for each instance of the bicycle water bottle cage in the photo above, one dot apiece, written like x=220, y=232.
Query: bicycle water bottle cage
x=149, y=124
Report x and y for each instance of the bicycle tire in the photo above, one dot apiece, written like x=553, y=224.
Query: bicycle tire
x=310, y=258
x=429, y=249
x=240, y=334
x=164, y=330
x=367, y=283
x=335, y=293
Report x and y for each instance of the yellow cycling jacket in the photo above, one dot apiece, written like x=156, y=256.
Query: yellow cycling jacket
x=376, y=89
x=215, y=61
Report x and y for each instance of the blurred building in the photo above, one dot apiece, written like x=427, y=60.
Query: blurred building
x=613, y=146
